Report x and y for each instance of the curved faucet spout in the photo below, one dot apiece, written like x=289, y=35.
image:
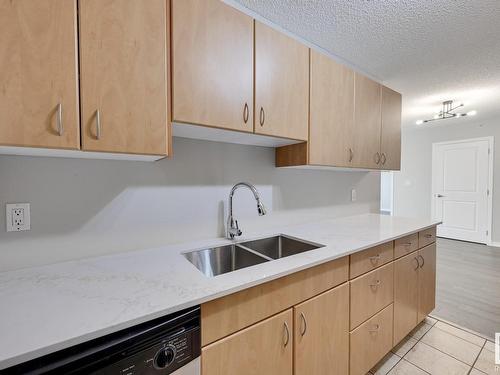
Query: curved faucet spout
x=232, y=229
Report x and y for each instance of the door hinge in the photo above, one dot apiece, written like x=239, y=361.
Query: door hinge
x=488, y=192
x=489, y=151
x=487, y=233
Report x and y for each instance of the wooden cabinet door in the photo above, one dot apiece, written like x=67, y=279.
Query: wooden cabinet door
x=390, y=146
x=281, y=85
x=367, y=123
x=426, y=281
x=38, y=74
x=405, y=295
x=332, y=112
x=212, y=65
x=321, y=334
x=264, y=348
x=123, y=66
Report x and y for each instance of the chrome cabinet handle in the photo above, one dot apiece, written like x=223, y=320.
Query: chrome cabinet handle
x=351, y=155
x=374, y=259
x=60, y=126
x=377, y=158
x=383, y=158
x=98, y=124
x=303, y=318
x=246, y=113
x=375, y=328
x=376, y=284
x=262, y=117
x=423, y=260
x=418, y=264
x=428, y=235
x=407, y=244
x=287, y=334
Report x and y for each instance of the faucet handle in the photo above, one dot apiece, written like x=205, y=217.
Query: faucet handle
x=238, y=231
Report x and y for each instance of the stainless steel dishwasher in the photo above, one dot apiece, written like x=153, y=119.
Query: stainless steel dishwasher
x=164, y=346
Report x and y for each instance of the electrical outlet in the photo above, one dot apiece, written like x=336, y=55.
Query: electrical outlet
x=17, y=217
x=354, y=195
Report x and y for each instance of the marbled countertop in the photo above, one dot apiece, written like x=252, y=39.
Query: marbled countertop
x=45, y=309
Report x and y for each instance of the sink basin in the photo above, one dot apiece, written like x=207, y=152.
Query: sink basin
x=280, y=246
x=218, y=260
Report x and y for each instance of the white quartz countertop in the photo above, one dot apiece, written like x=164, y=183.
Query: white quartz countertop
x=45, y=309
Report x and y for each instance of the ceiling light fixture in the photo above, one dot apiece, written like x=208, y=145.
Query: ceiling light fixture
x=448, y=112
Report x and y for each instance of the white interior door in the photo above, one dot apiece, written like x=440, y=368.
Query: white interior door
x=460, y=189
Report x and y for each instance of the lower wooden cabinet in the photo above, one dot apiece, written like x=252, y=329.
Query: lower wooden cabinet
x=426, y=281
x=318, y=322
x=321, y=334
x=264, y=348
x=414, y=289
x=405, y=295
x=371, y=341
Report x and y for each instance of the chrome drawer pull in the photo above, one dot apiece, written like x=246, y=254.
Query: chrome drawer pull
x=418, y=264
x=60, y=127
x=375, y=328
x=377, y=283
x=287, y=334
x=303, y=331
x=245, y=113
x=374, y=259
x=423, y=261
x=428, y=236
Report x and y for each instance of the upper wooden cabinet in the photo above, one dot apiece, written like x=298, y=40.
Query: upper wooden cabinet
x=332, y=112
x=281, y=85
x=123, y=76
x=38, y=74
x=390, y=143
x=212, y=65
x=264, y=348
x=367, y=123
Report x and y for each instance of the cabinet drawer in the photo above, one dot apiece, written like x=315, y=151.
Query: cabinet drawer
x=371, y=341
x=368, y=260
x=405, y=245
x=426, y=237
x=228, y=314
x=370, y=293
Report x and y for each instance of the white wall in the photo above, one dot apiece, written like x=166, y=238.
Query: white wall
x=386, y=192
x=413, y=185
x=81, y=208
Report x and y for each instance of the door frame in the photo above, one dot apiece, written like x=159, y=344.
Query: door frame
x=491, y=143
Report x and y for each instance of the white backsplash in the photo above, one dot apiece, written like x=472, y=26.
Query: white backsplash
x=82, y=208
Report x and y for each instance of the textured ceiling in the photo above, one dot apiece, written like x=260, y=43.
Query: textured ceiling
x=430, y=51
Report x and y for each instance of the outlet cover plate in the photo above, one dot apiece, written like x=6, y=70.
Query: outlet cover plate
x=17, y=217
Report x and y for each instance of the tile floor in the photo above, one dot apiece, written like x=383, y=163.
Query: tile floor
x=439, y=348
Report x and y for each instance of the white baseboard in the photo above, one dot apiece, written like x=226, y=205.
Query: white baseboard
x=494, y=244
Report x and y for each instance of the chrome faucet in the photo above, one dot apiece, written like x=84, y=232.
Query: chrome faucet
x=232, y=228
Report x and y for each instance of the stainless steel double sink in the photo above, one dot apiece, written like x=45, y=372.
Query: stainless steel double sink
x=218, y=260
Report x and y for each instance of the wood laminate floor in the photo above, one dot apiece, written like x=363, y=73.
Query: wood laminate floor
x=468, y=285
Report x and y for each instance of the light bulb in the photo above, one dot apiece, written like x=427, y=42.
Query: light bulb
x=472, y=113
x=419, y=122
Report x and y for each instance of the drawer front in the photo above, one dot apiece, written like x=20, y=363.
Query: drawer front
x=405, y=245
x=368, y=260
x=371, y=341
x=229, y=314
x=370, y=293
x=426, y=237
